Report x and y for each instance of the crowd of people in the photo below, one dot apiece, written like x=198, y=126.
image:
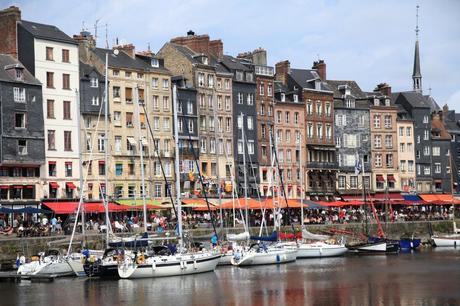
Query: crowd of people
x=41, y=225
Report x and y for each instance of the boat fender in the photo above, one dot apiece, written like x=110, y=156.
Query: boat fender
x=194, y=265
x=154, y=265
x=455, y=243
x=83, y=259
x=278, y=259
x=140, y=259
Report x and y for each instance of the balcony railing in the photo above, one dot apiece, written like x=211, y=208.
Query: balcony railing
x=322, y=165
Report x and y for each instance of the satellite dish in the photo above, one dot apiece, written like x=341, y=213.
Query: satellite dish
x=116, y=51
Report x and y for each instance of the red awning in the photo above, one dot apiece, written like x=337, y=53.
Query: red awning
x=4, y=187
x=51, y=163
x=380, y=178
x=391, y=178
x=101, y=162
x=29, y=186
x=54, y=185
x=70, y=185
x=17, y=186
x=92, y=207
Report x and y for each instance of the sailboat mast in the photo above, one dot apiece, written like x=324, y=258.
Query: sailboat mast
x=141, y=152
x=244, y=173
x=106, y=143
x=364, y=194
x=217, y=159
x=176, y=167
x=80, y=161
x=301, y=181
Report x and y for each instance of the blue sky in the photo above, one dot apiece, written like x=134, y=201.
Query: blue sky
x=370, y=41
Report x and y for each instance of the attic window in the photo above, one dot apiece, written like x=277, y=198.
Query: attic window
x=296, y=98
x=94, y=82
x=205, y=60
x=283, y=97
x=387, y=102
x=154, y=63
x=318, y=84
x=350, y=103
x=19, y=74
x=376, y=102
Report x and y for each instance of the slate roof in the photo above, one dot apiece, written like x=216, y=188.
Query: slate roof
x=305, y=78
x=86, y=69
x=46, y=31
x=415, y=99
x=355, y=90
x=8, y=61
x=233, y=63
x=437, y=125
x=122, y=60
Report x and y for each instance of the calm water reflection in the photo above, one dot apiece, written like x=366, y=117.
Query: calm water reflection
x=422, y=278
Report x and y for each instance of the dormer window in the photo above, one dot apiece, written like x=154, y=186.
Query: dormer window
x=350, y=103
x=295, y=98
x=376, y=102
x=249, y=77
x=19, y=74
x=387, y=102
x=318, y=84
x=283, y=97
x=205, y=60
x=239, y=75
x=94, y=82
x=154, y=63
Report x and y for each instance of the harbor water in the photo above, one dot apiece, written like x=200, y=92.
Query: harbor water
x=426, y=277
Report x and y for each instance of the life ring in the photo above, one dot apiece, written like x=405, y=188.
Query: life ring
x=140, y=259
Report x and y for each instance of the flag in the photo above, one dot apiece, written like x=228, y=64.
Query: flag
x=358, y=165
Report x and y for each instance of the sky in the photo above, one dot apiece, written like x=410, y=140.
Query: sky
x=369, y=41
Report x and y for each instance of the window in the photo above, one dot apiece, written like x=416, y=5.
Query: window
x=309, y=108
x=388, y=141
x=155, y=82
x=361, y=120
x=66, y=108
x=129, y=119
x=49, y=54
x=129, y=95
x=210, y=81
x=328, y=109
x=227, y=103
x=426, y=135
x=95, y=101
x=19, y=94
x=389, y=160
x=377, y=141
x=376, y=121
x=117, y=117
x=338, y=142
x=437, y=168
x=116, y=91
x=140, y=75
x=165, y=103
x=201, y=79
x=378, y=160
x=51, y=168
x=219, y=102
x=101, y=142
x=22, y=147
x=436, y=151
x=408, y=131
x=227, y=84
x=341, y=120
x=212, y=146
x=250, y=146
x=50, y=79
x=401, y=131
x=19, y=120
x=319, y=108
x=279, y=135
x=319, y=130
x=203, y=145
x=417, y=154
x=309, y=130
x=156, y=123
x=140, y=96
x=51, y=140
x=410, y=165
x=425, y=119
x=402, y=165
x=210, y=102
x=295, y=98
x=228, y=123
x=427, y=170
x=240, y=147
x=220, y=146
x=67, y=141
x=350, y=103
x=296, y=118
x=68, y=169
x=101, y=167
x=402, y=147
x=269, y=90
x=127, y=74
x=342, y=181
x=329, y=132
x=387, y=121
x=65, y=81
x=426, y=151
x=288, y=136
x=270, y=110
x=250, y=99
x=94, y=82
x=353, y=182
x=116, y=72
x=118, y=169
x=65, y=56
x=261, y=89
x=166, y=124
x=165, y=84
x=283, y=97
x=287, y=117
x=418, y=138
x=117, y=144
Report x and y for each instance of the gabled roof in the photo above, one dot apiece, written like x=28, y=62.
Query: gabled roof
x=306, y=77
x=415, y=99
x=355, y=90
x=9, y=61
x=437, y=125
x=122, y=60
x=47, y=32
x=86, y=70
x=233, y=63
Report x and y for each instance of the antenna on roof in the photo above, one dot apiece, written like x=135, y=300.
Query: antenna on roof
x=148, y=47
x=318, y=56
x=95, y=30
x=106, y=36
x=429, y=90
x=83, y=26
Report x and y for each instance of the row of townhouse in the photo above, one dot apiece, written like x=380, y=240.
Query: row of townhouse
x=232, y=112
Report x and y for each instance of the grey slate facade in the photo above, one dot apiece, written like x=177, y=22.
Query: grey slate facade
x=452, y=124
x=92, y=85
x=22, y=140
x=244, y=93
x=351, y=109
x=419, y=109
x=441, y=154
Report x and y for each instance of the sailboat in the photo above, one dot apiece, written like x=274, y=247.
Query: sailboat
x=181, y=263
x=266, y=250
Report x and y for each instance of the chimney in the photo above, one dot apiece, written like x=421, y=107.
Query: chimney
x=282, y=70
x=445, y=113
x=128, y=49
x=216, y=48
x=320, y=66
x=85, y=38
x=384, y=88
x=8, y=30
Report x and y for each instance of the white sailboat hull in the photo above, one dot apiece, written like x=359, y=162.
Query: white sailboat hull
x=320, y=249
x=58, y=267
x=373, y=248
x=161, y=266
x=447, y=241
x=269, y=257
x=226, y=259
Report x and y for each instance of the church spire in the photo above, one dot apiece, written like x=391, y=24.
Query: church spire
x=416, y=75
